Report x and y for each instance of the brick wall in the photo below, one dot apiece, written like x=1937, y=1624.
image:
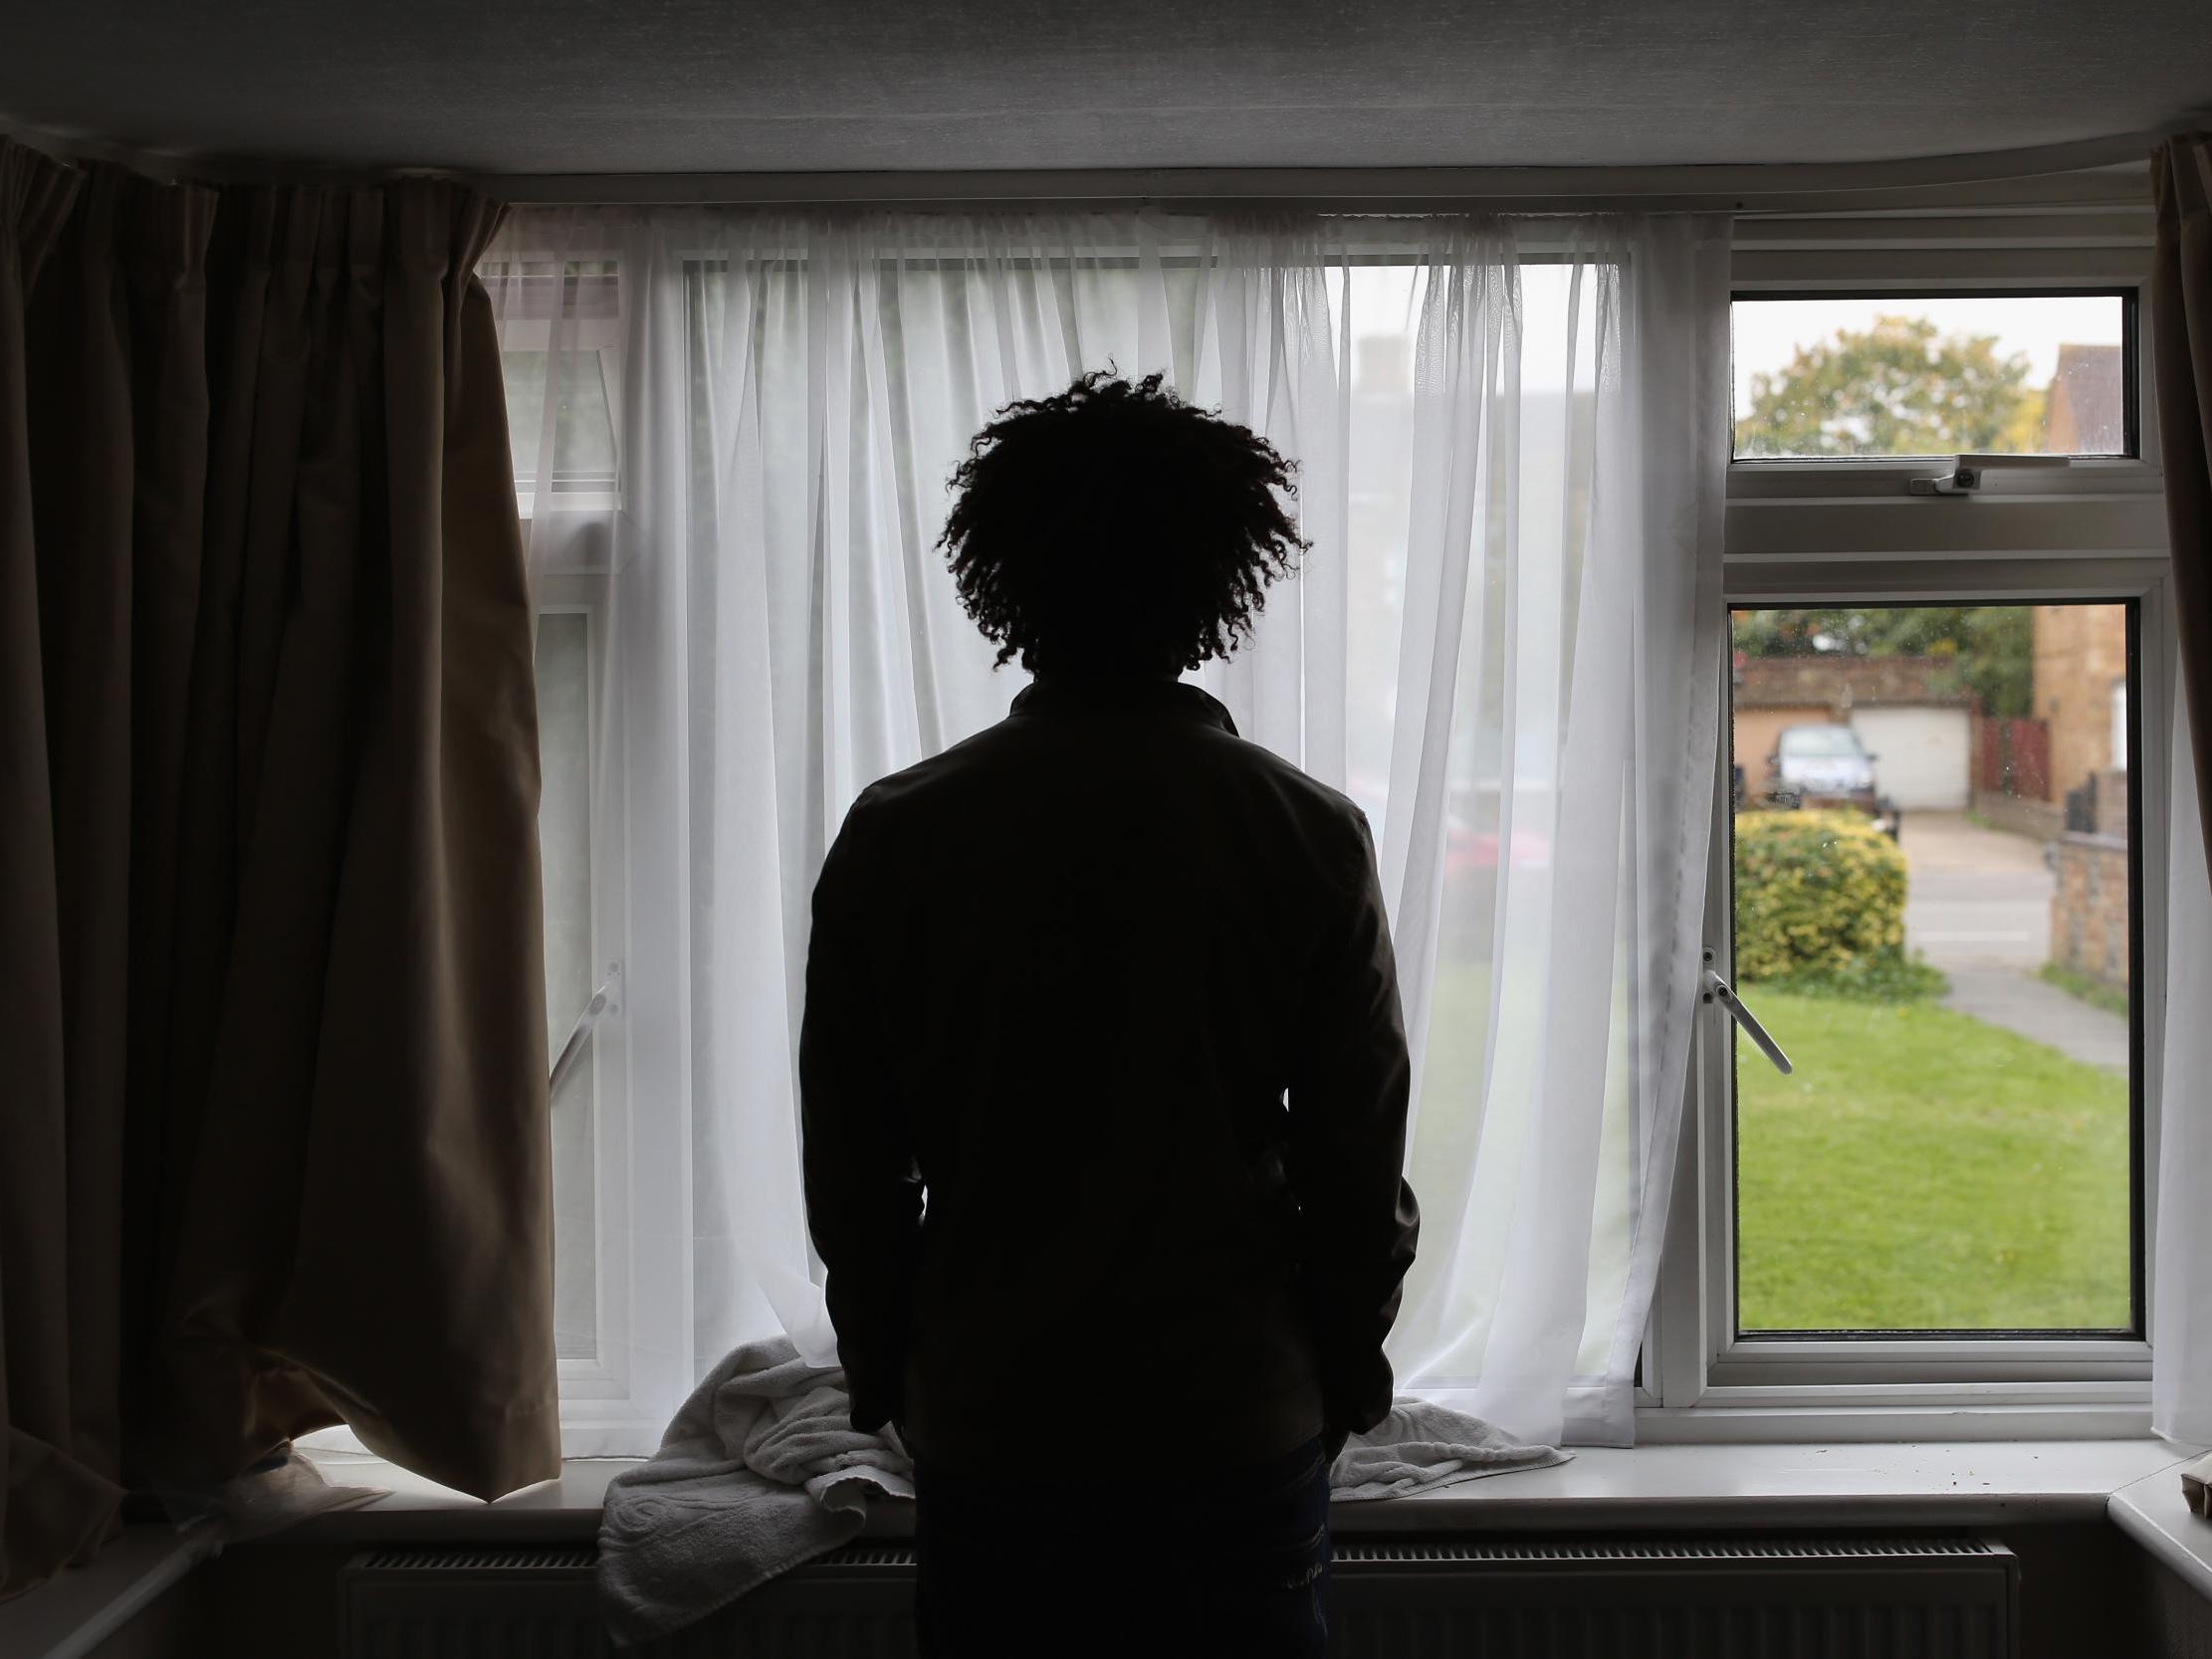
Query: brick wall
x=2111, y=803
x=2018, y=814
x=1838, y=684
x=2088, y=912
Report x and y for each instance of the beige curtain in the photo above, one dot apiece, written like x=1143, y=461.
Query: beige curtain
x=270, y=962
x=2181, y=350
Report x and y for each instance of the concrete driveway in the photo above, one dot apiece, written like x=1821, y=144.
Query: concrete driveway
x=1978, y=906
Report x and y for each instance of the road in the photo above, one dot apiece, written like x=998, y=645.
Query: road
x=1978, y=906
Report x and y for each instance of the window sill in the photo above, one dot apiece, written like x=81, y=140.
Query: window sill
x=2153, y=1513
x=1954, y=1483
x=1918, y=1484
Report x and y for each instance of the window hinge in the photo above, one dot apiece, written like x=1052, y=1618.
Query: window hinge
x=1720, y=990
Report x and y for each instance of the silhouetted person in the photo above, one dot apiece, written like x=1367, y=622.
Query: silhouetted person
x=1062, y=978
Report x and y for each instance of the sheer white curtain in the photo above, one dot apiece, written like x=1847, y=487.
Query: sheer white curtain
x=2181, y=1285
x=1511, y=438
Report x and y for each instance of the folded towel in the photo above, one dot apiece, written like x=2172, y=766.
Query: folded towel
x=1418, y=1446
x=760, y=1471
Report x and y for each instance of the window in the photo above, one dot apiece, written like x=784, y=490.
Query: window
x=563, y=316
x=1942, y=775
x=1935, y=374
x=572, y=966
x=1830, y=555
x=566, y=313
x=778, y=631
x=583, y=451
x=582, y=960
x=1934, y=896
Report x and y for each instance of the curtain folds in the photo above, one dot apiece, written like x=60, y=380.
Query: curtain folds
x=1511, y=439
x=2181, y=354
x=280, y=1159
x=61, y=1464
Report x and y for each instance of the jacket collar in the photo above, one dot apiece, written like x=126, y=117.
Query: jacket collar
x=1162, y=698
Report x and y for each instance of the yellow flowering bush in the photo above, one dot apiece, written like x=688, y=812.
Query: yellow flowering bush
x=1820, y=906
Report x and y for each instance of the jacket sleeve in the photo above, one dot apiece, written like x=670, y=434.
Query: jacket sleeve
x=1348, y=1098
x=863, y=1193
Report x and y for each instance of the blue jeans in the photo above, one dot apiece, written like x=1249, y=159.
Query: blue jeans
x=1236, y=1564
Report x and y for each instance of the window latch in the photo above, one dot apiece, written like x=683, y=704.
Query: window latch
x=1969, y=472
x=605, y=1001
x=1720, y=990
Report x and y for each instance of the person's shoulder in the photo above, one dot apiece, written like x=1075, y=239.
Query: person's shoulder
x=915, y=788
x=1298, y=786
x=1326, y=823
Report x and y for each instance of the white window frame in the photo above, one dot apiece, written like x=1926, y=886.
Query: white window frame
x=1797, y=531
x=594, y=323
x=1827, y=530
x=640, y=1316
x=596, y=1387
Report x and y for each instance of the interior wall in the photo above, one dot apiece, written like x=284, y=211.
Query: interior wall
x=2085, y=1592
x=275, y=1599
x=2180, y=1618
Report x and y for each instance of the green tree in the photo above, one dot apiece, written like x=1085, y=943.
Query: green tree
x=1989, y=649
x=1896, y=388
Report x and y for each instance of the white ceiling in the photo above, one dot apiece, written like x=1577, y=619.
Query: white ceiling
x=697, y=86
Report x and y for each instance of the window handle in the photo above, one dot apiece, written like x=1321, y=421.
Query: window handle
x=605, y=1001
x=1720, y=990
x=1970, y=472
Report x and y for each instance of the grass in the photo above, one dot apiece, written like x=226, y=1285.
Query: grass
x=1888, y=978
x=1925, y=1171
x=2096, y=992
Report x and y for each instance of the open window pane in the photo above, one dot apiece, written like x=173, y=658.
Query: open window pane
x=581, y=416
x=1868, y=375
x=565, y=842
x=1933, y=909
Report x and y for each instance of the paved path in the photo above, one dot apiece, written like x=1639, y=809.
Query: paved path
x=1979, y=908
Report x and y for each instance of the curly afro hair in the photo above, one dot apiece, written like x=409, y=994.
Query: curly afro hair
x=1116, y=529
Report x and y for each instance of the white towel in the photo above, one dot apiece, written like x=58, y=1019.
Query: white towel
x=760, y=1471
x=1418, y=1446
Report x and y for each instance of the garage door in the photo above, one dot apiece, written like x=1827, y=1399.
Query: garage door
x=1922, y=757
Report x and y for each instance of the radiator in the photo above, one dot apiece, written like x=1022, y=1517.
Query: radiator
x=1772, y=1599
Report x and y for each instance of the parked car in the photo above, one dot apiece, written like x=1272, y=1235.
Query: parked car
x=1468, y=852
x=1828, y=767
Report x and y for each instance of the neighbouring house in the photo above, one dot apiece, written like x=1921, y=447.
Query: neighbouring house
x=2085, y=411
x=2080, y=691
x=2028, y=768
x=1913, y=714
x=2081, y=695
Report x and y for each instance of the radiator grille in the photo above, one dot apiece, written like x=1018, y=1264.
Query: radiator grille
x=1672, y=1549
x=1751, y=1598
x=565, y=1557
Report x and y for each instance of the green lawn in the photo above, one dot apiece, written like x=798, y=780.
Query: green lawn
x=1925, y=1170
x=2096, y=992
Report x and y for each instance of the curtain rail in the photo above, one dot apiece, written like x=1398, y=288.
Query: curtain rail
x=2098, y=172
x=2109, y=172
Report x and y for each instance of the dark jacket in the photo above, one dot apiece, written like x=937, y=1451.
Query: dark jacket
x=1062, y=977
